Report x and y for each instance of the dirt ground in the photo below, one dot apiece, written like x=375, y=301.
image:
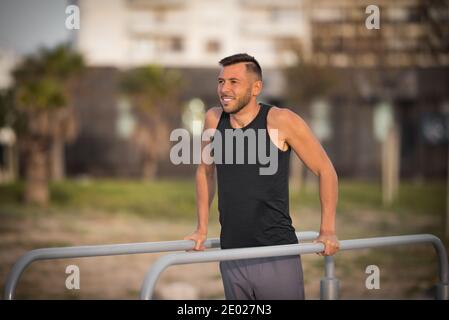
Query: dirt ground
x=408, y=272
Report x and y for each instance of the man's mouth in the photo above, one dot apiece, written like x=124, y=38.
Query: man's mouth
x=227, y=99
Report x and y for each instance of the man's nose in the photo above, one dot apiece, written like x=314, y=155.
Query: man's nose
x=224, y=88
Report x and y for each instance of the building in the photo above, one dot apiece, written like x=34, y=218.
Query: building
x=193, y=33
x=411, y=33
x=391, y=65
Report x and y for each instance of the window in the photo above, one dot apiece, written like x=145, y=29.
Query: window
x=176, y=44
x=160, y=15
x=212, y=46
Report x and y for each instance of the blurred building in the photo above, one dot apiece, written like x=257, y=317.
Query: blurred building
x=403, y=64
x=195, y=33
x=192, y=34
x=412, y=33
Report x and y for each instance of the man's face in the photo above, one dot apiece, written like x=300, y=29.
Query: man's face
x=236, y=87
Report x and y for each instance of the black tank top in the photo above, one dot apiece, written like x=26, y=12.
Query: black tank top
x=254, y=208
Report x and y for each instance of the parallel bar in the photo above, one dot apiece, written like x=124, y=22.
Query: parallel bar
x=404, y=240
x=329, y=285
x=272, y=251
x=109, y=250
x=162, y=263
x=329, y=267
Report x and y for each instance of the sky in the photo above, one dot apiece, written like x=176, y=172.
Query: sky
x=26, y=25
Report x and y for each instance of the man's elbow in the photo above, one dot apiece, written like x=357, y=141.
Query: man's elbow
x=328, y=171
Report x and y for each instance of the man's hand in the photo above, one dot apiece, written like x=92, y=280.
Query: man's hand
x=331, y=244
x=199, y=237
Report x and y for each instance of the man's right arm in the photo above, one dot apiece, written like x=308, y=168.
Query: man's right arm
x=205, y=185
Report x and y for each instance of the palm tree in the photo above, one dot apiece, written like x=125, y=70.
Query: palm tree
x=43, y=85
x=153, y=92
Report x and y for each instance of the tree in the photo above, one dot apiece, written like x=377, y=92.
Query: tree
x=42, y=94
x=154, y=94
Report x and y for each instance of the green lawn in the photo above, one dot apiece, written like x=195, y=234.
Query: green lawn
x=428, y=198
x=176, y=198
x=159, y=199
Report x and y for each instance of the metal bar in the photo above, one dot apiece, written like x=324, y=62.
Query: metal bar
x=221, y=255
x=329, y=267
x=329, y=285
x=405, y=240
x=271, y=251
x=110, y=250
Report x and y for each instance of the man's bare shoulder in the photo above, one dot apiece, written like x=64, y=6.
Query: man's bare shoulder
x=213, y=117
x=214, y=112
x=281, y=117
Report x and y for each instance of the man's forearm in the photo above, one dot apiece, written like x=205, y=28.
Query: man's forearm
x=205, y=190
x=328, y=198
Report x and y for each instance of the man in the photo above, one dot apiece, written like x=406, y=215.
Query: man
x=254, y=208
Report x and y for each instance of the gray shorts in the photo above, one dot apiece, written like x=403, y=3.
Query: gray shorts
x=272, y=278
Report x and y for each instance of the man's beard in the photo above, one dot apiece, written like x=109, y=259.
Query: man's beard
x=240, y=103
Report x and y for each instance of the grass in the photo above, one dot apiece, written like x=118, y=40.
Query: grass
x=164, y=199
x=176, y=198
x=413, y=198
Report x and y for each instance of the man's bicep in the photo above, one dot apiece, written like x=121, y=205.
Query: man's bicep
x=305, y=144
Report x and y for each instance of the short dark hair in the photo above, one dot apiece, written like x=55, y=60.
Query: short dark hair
x=251, y=63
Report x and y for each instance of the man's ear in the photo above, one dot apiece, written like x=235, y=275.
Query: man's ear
x=257, y=87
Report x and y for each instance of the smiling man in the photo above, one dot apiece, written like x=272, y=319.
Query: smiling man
x=254, y=208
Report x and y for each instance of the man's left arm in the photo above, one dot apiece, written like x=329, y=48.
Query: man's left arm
x=296, y=133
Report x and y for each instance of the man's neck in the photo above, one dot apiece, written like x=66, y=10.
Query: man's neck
x=245, y=115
